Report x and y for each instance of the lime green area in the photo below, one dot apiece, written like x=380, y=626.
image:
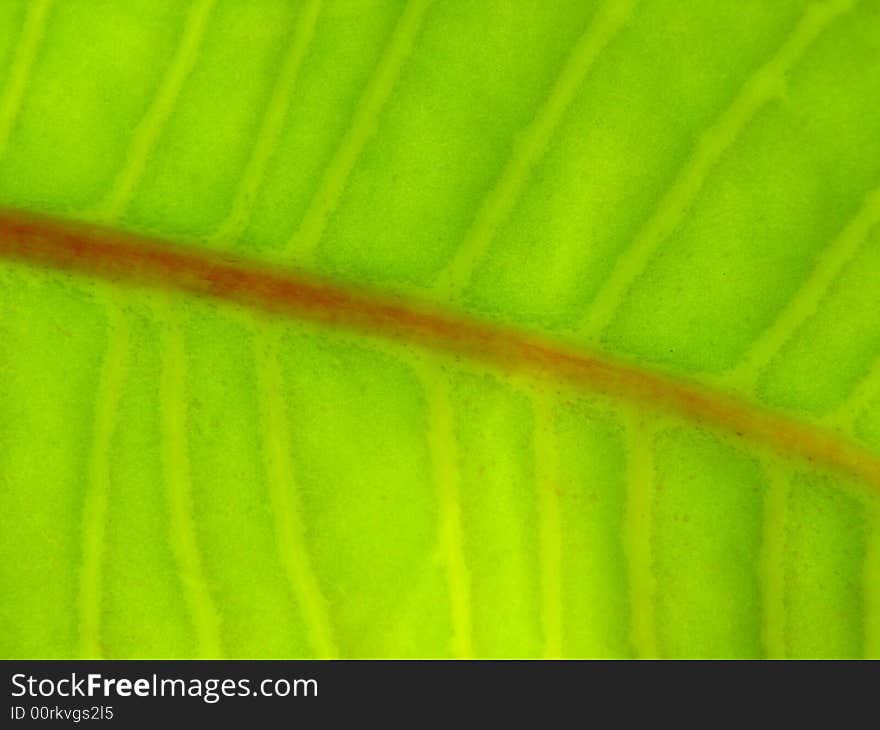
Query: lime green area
x=409, y=201
x=139, y=596
x=346, y=44
x=618, y=149
x=258, y=611
x=11, y=19
x=190, y=176
x=824, y=581
x=493, y=435
x=847, y=325
x=706, y=544
x=693, y=186
x=88, y=87
x=868, y=424
x=783, y=192
x=590, y=488
x=53, y=335
x=367, y=505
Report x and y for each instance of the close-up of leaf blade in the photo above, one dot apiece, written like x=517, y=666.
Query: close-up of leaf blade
x=685, y=191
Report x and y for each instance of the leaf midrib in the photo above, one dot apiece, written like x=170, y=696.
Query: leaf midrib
x=118, y=256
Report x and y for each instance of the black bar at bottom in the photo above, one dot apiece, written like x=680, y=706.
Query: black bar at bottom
x=412, y=693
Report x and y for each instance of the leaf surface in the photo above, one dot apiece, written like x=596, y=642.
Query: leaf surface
x=691, y=189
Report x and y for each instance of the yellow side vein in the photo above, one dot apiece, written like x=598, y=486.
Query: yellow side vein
x=637, y=535
x=175, y=461
x=763, y=85
x=499, y=201
x=271, y=124
x=549, y=526
x=771, y=569
x=364, y=121
x=32, y=32
x=174, y=458
x=806, y=302
x=146, y=133
x=445, y=473
x=289, y=532
x=95, y=507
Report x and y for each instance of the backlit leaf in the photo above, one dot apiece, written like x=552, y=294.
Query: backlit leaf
x=685, y=186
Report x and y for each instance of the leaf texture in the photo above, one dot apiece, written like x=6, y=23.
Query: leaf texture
x=690, y=187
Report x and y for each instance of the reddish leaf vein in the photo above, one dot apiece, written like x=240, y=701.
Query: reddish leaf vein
x=126, y=258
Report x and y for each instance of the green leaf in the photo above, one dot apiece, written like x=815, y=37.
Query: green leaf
x=686, y=191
